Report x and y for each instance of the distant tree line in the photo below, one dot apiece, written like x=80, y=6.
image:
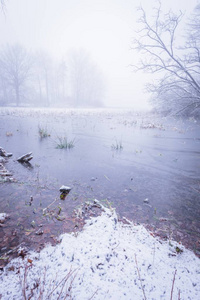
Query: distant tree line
x=36, y=79
x=174, y=56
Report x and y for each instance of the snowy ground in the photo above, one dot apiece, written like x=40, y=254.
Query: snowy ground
x=107, y=260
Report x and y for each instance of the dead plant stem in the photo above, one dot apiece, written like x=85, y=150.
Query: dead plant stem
x=51, y=203
x=24, y=282
x=179, y=295
x=69, y=274
x=173, y=285
x=140, y=277
x=94, y=294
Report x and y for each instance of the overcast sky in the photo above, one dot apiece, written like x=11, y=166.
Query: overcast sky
x=103, y=27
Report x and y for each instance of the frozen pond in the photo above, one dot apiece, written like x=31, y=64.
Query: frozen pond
x=154, y=179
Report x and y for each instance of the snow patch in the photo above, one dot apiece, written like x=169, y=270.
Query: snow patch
x=107, y=260
x=3, y=217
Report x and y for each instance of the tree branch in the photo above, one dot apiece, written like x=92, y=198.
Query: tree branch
x=180, y=66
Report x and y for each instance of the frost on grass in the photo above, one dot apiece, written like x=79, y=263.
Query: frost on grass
x=107, y=260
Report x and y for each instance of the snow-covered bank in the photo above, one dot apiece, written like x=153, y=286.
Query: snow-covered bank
x=107, y=260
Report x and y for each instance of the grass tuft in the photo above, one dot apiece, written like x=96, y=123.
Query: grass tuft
x=117, y=146
x=64, y=143
x=43, y=132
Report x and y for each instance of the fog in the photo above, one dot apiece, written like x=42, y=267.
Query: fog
x=76, y=125
x=103, y=29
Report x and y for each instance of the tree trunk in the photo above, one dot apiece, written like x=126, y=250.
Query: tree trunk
x=17, y=95
x=47, y=89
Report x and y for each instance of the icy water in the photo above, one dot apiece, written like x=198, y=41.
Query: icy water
x=153, y=179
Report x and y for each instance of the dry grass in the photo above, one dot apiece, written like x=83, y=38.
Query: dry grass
x=140, y=277
x=61, y=290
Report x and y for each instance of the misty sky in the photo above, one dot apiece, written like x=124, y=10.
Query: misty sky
x=102, y=27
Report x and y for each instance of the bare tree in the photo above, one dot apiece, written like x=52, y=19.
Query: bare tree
x=61, y=82
x=15, y=69
x=62, y=78
x=3, y=5
x=43, y=69
x=87, y=82
x=78, y=60
x=178, y=67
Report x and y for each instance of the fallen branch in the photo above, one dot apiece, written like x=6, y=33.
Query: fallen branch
x=25, y=158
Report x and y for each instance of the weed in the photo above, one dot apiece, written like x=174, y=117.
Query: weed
x=107, y=204
x=43, y=132
x=62, y=289
x=117, y=145
x=64, y=143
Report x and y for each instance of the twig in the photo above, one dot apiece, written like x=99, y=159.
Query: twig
x=63, y=280
x=46, y=208
x=195, y=189
x=51, y=203
x=24, y=281
x=173, y=285
x=179, y=295
x=154, y=251
x=24, y=285
x=42, y=287
x=93, y=294
x=116, y=246
x=70, y=286
x=140, y=277
x=62, y=287
x=107, y=177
